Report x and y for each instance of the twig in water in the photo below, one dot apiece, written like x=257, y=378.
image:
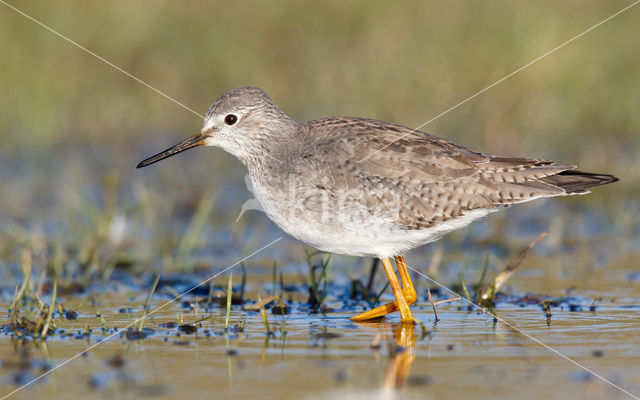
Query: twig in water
x=435, y=304
x=261, y=303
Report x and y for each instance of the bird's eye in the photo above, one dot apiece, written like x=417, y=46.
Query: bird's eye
x=230, y=119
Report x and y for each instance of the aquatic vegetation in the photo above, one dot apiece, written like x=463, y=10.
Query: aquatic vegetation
x=318, y=287
x=486, y=296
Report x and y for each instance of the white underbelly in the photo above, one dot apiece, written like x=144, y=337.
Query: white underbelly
x=371, y=239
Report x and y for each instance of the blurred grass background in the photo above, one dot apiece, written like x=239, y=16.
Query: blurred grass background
x=72, y=128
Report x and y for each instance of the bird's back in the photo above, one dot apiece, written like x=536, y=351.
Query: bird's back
x=423, y=178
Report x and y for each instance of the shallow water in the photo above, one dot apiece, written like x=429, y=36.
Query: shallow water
x=326, y=355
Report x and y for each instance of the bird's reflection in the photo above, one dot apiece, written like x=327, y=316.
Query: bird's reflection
x=400, y=340
x=402, y=356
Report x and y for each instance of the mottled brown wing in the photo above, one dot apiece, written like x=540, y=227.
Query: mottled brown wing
x=412, y=178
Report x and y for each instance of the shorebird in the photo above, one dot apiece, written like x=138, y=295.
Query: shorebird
x=368, y=188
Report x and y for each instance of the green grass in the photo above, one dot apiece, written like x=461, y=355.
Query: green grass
x=486, y=294
x=229, y=298
x=319, y=280
x=147, y=302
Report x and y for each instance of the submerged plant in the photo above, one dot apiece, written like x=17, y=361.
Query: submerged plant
x=487, y=295
x=264, y=316
x=317, y=295
x=148, y=301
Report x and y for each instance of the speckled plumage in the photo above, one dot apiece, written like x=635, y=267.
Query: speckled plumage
x=363, y=187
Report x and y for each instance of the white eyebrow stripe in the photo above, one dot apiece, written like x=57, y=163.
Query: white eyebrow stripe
x=208, y=123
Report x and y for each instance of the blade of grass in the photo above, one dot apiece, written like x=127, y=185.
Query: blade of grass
x=480, y=286
x=103, y=322
x=323, y=277
x=26, y=272
x=153, y=289
x=508, y=271
x=283, y=328
x=264, y=316
x=210, y=295
x=45, y=329
x=14, y=310
x=384, y=288
x=273, y=280
x=229, y=294
x=42, y=318
x=243, y=282
x=148, y=301
x=316, y=297
x=467, y=295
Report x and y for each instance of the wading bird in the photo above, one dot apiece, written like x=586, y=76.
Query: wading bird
x=368, y=188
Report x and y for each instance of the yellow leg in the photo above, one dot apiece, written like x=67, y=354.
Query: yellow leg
x=403, y=297
x=407, y=286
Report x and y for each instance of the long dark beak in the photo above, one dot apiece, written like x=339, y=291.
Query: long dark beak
x=194, y=141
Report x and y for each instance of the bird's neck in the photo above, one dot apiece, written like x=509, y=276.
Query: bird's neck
x=270, y=147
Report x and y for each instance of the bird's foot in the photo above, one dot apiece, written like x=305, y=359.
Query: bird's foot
x=410, y=297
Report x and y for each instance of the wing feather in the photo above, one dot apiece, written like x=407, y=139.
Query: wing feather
x=411, y=178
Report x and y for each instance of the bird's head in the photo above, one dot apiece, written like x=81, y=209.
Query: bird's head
x=244, y=121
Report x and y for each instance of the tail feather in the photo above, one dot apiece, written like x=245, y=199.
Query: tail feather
x=577, y=182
